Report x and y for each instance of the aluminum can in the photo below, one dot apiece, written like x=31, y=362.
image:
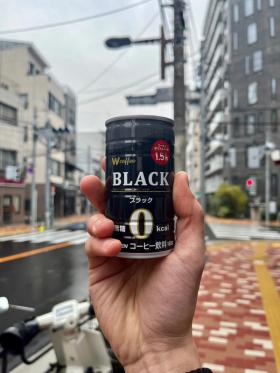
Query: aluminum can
x=139, y=183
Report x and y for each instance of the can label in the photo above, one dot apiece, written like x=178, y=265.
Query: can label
x=140, y=199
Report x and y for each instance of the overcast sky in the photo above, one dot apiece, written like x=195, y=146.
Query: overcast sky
x=77, y=54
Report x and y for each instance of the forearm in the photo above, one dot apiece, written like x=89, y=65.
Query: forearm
x=161, y=359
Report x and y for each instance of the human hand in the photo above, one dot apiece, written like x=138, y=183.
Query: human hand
x=145, y=307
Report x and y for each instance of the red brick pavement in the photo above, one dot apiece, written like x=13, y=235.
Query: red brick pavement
x=230, y=325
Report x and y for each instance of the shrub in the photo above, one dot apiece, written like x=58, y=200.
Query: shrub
x=229, y=201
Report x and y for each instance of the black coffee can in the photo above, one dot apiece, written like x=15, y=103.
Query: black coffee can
x=139, y=183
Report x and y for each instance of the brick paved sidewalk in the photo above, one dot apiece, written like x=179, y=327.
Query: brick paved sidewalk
x=237, y=321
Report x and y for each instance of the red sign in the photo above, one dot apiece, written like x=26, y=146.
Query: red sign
x=250, y=183
x=160, y=152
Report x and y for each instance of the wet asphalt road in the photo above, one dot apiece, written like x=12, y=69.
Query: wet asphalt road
x=40, y=281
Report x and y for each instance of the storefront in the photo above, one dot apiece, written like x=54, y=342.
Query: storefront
x=12, y=195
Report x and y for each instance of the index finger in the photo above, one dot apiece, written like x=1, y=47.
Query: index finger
x=95, y=191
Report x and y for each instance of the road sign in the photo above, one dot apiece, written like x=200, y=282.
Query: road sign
x=251, y=186
x=275, y=156
x=13, y=173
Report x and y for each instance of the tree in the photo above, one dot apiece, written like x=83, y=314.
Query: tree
x=229, y=201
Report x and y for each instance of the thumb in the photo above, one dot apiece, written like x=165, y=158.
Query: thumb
x=190, y=224
x=183, y=199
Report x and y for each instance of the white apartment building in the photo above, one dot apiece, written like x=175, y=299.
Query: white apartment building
x=43, y=99
x=193, y=142
x=215, y=62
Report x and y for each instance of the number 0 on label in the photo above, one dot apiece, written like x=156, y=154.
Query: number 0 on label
x=141, y=223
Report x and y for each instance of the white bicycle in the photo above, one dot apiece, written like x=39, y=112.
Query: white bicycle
x=77, y=344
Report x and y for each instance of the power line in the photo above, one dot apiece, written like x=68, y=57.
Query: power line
x=76, y=20
x=119, y=57
x=119, y=90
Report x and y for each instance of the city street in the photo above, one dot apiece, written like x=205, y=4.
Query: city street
x=40, y=270
x=237, y=323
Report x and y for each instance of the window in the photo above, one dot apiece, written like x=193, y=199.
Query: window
x=56, y=168
x=271, y=3
x=253, y=157
x=253, y=93
x=235, y=41
x=235, y=180
x=251, y=124
x=232, y=157
x=55, y=105
x=272, y=27
x=249, y=8
x=31, y=69
x=24, y=100
x=16, y=204
x=236, y=127
x=274, y=120
x=235, y=13
x=247, y=65
x=273, y=88
x=252, y=33
x=257, y=61
x=8, y=114
x=259, y=4
x=274, y=185
x=25, y=134
x=7, y=158
x=235, y=98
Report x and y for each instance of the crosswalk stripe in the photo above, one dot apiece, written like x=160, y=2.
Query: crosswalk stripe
x=51, y=236
x=78, y=235
x=23, y=235
x=245, y=233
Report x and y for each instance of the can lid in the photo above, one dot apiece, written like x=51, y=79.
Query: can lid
x=139, y=117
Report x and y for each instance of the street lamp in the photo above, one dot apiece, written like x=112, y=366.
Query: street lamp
x=126, y=41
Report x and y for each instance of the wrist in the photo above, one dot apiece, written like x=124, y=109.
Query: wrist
x=177, y=357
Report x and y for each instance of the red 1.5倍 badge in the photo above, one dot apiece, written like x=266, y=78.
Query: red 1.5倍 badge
x=160, y=152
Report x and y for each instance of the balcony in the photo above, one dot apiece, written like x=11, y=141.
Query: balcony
x=215, y=123
x=216, y=164
x=214, y=146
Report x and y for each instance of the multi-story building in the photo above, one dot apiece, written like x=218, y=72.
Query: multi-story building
x=193, y=141
x=43, y=100
x=215, y=59
x=12, y=185
x=241, y=54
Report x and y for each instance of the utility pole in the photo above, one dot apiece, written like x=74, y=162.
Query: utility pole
x=33, y=219
x=48, y=131
x=179, y=85
x=267, y=175
x=202, y=133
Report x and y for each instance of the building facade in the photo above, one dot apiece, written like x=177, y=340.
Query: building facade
x=12, y=183
x=241, y=54
x=193, y=142
x=43, y=100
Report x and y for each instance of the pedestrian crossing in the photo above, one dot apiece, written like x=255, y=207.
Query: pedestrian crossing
x=243, y=232
x=78, y=237
x=49, y=236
